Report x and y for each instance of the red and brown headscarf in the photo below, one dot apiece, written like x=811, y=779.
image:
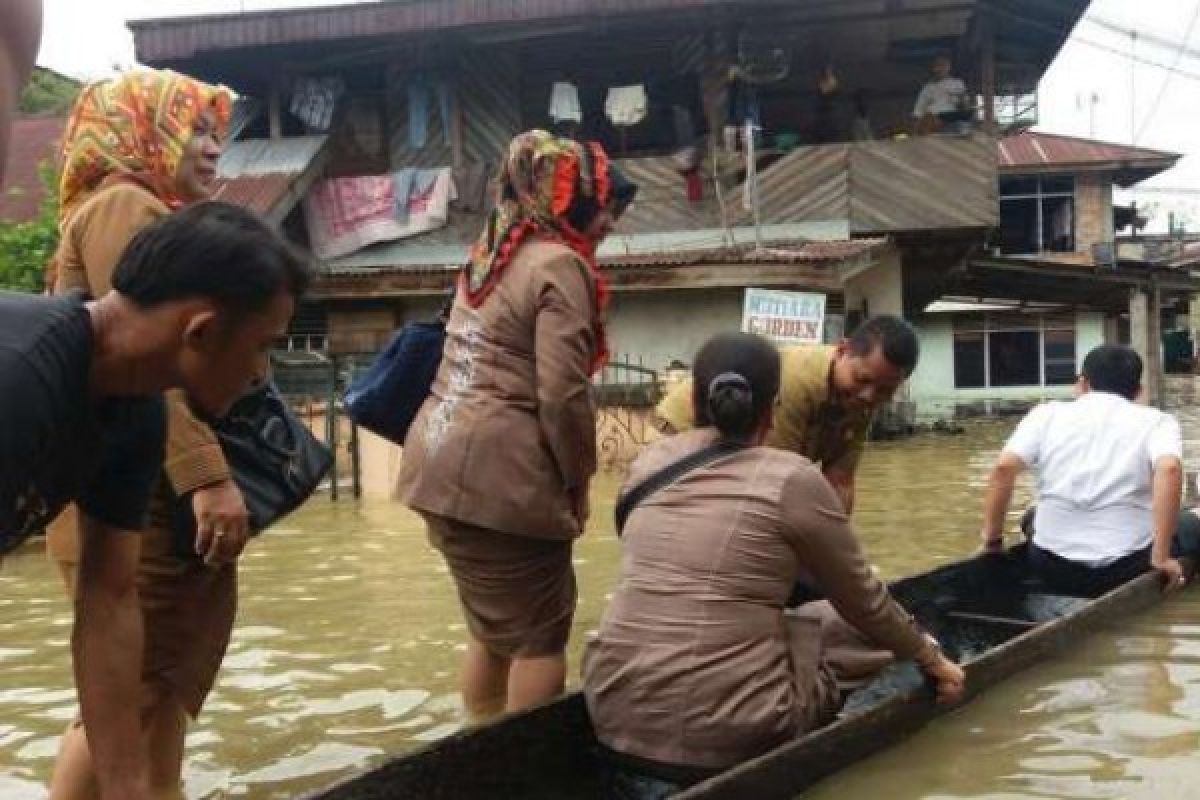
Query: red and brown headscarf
x=544, y=182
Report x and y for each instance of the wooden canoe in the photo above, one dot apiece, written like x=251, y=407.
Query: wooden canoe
x=987, y=612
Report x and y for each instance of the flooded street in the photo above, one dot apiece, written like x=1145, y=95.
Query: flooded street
x=349, y=638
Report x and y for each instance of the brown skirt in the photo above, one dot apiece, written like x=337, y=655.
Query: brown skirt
x=517, y=592
x=188, y=612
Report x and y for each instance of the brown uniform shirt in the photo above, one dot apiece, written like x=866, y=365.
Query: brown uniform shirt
x=510, y=425
x=808, y=419
x=92, y=244
x=692, y=664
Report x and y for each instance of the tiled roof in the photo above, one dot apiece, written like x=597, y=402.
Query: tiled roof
x=34, y=140
x=1031, y=149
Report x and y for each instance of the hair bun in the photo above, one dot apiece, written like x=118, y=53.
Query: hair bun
x=731, y=402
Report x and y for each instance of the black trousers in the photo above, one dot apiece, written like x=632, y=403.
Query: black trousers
x=1064, y=576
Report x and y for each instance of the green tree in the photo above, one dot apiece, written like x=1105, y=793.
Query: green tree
x=26, y=247
x=48, y=93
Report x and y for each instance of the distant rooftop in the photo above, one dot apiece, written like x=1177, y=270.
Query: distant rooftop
x=1032, y=151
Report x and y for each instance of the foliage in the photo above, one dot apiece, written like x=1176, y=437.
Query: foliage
x=26, y=247
x=48, y=93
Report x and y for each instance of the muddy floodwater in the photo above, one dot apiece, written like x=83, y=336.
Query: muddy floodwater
x=349, y=636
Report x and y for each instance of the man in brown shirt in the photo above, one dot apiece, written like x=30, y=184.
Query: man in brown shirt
x=828, y=397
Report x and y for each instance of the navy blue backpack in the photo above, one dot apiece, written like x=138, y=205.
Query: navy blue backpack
x=386, y=398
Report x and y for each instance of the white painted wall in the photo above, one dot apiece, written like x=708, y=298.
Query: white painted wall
x=932, y=384
x=662, y=326
x=880, y=288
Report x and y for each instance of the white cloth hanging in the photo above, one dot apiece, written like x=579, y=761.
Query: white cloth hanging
x=626, y=105
x=564, y=103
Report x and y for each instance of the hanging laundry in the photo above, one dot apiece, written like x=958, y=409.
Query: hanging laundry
x=564, y=103
x=314, y=101
x=345, y=215
x=420, y=95
x=695, y=186
x=626, y=105
x=418, y=112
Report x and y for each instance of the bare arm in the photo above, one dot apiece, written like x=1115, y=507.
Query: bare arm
x=107, y=646
x=1168, y=486
x=998, y=498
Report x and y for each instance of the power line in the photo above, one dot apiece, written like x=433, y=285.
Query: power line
x=1149, y=38
x=1149, y=62
x=1162, y=90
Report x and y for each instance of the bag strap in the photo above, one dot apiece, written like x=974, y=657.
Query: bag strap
x=669, y=475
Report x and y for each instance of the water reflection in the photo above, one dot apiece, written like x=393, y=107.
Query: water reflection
x=349, y=638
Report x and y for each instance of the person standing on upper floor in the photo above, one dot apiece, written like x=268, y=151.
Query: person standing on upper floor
x=198, y=299
x=136, y=148
x=20, y=35
x=697, y=665
x=942, y=101
x=828, y=399
x=500, y=457
x=1109, y=483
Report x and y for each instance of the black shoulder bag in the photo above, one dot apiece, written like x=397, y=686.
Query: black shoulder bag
x=275, y=460
x=668, y=475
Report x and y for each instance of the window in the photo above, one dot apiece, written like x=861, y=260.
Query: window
x=1007, y=350
x=1037, y=215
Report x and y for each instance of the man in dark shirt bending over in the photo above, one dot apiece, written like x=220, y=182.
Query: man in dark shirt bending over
x=197, y=300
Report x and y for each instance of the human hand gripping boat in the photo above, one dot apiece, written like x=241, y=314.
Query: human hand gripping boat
x=988, y=612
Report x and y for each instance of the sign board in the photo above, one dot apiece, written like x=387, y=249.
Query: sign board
x=785, y=317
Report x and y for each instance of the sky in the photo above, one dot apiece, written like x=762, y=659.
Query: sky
x=1090, y=90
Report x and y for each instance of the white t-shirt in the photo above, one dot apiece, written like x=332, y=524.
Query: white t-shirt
x=940, y=97
x=1094, y=459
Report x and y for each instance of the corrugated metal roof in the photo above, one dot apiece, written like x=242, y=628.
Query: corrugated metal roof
x=34, y=140
x=258, y=173
x=638, y=248
x=1031, y=149
x=259, y=193
x=269, y=156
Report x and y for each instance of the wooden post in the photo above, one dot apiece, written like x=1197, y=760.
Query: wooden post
x=275, y=110
x=1144, y=310
x=458, y=159
x=987, y=72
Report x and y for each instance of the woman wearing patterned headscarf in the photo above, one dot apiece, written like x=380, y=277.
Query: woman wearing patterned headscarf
x=135, y=149
x=501, y=455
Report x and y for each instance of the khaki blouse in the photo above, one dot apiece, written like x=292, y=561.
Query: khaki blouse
x=92, y=244
x=510, y=425
x=692, y=665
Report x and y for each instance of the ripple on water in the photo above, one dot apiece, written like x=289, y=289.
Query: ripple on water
x=326, y=674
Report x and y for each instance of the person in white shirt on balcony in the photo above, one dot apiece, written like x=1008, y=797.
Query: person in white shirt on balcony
x=943, y=100
x=1109, y=480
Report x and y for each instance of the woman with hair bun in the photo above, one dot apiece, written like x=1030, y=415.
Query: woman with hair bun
x=697, y=665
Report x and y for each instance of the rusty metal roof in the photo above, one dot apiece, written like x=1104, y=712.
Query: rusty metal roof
x=34, y=141
x=1032, y=151
x=259, y=173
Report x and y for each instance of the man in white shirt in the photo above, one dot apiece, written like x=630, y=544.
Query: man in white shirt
x=942, y=101
x=1109, y=479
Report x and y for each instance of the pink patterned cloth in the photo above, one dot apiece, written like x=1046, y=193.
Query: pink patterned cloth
x=347, y=214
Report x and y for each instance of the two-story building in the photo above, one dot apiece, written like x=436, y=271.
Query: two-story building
x=1016, y=319
x=357, y=105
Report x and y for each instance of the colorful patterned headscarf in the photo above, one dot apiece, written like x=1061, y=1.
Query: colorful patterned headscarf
x=136, y=126
x=544, y=180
